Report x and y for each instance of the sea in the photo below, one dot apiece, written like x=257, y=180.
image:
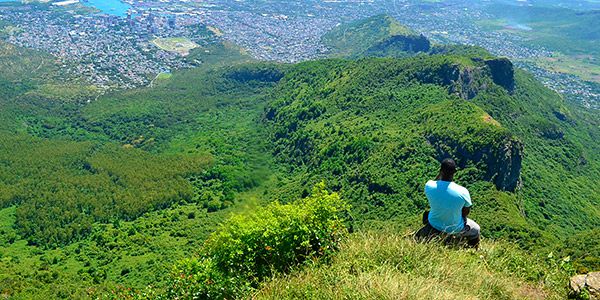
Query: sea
x=109, y=7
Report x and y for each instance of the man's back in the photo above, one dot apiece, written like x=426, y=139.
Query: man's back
x=446, y=200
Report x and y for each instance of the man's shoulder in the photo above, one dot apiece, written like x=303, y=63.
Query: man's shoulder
x=430, y=184
x=459, y=188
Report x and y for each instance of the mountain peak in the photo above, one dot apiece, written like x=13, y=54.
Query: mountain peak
x=377, y=36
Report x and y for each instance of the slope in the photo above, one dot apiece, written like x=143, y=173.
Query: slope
x=95, y=194
x=378, y=36
x=375, y=129
x=387, y=265
x=302, y=250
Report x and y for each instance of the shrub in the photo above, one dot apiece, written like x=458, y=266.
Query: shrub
x=213, y=205
x=250, y=247
x=202, y=279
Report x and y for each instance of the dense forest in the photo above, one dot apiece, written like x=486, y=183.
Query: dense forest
x=104, y=192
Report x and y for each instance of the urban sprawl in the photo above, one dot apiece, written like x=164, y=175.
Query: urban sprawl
x=112, y=51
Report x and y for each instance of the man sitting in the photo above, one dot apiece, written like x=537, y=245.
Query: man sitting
x=450, y=205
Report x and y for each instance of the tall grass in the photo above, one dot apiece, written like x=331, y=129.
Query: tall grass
x=392, y=266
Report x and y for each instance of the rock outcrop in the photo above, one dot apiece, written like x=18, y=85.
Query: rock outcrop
x=503, y=72
x=504, y=168
x=502, y=160
x=586, y=284
x=466, y=82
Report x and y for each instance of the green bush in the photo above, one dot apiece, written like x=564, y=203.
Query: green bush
x=213, y=205
x=202, y=279
x=250, y=247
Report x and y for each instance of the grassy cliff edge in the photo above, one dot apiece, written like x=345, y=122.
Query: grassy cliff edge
x=390, y=265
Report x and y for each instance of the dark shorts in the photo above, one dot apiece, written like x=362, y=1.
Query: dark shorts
x=471, y=230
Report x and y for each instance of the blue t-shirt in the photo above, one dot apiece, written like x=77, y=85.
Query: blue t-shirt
x=446, y=200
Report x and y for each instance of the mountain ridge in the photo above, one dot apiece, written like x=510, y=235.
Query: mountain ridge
x=377, y=36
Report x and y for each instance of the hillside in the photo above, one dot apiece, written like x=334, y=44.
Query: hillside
x=302, y=250
x=115, y=191
x=112, y=193
x=377, y=36
x=346, y=121
x=375, y=128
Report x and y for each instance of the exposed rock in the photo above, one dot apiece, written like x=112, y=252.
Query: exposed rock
x=466, y=83
x=589, y=283
x=592, y=281
x=503, y=72
x=577, y=283
x=503, y=160
x=505, y=166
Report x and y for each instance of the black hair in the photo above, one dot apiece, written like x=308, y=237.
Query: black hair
x=448, y=166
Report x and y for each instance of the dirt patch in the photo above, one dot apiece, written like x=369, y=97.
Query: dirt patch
x=488, y=119
x=532, y=292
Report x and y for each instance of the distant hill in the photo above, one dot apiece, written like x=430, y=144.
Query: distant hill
x=378, y=36
x=573, y=35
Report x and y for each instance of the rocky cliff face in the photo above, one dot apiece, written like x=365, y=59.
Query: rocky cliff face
x=504, y=168
x=502, y=161
x=468, y=81
x=503, y=72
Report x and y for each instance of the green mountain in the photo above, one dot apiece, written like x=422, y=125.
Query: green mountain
x=377, y=36
x=348, y=120
x=100, y=197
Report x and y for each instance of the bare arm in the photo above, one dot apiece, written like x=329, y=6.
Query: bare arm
x=465, y=211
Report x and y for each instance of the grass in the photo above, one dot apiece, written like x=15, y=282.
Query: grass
x=219, y=55
x=164, y=76
x=66, y=92
x=386, y=265
x=180, y=45
x=568, y=35
x=587, y=67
